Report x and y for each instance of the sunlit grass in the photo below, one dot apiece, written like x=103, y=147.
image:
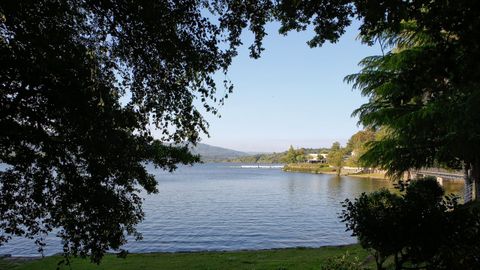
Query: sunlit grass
x=292, y=258
x=309, y=168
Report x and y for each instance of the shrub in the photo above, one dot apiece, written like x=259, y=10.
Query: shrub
x=460, y=249
x=421, y=228
x=373, y=218
x=423, y=221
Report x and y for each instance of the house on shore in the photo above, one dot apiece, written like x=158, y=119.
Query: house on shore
x=317, y=158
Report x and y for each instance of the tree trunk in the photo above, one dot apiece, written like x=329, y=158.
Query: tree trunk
x=379, y=260
x=468, y=193
x=475, y=178
x=398, y=265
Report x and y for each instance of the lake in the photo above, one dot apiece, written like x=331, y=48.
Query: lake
x=228, y=207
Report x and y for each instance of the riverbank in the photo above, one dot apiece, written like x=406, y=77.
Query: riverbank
x=325, y=169
x=369, y=175
x=274, y=259
x=309, y=168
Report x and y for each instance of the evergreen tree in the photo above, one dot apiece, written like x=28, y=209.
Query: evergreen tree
x=432, y=118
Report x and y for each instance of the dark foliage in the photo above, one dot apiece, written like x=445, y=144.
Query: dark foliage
x=422, y=220
x=426, y=89
x=419, y=229
x=460, y=248
x=81, y=83
x=373, y=219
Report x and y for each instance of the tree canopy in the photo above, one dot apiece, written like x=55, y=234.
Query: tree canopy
x=419, y=228
x=358, y=144
x=422, y=92
x=294, y=156
x=82, y=83
x=336, y=157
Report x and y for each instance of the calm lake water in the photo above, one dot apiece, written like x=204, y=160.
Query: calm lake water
x=227, y=207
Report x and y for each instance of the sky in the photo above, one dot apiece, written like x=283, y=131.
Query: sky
x=292, y=95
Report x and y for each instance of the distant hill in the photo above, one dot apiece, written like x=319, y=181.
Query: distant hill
x=271, y=157
x=215, y=153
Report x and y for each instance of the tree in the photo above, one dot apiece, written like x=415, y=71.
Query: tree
x=425, y=91
x=294, y=156
x=336, y=157
x=373, y=218
x=412, y=228
x=300, y=155
x=461, y=240
x=335, y=146
x=81, y=83
x=75, y=150
x=432, y=118
x=357, y=145
x=290, y=156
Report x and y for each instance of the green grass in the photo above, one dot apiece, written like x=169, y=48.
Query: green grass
x=276, y=259
x=308, y=168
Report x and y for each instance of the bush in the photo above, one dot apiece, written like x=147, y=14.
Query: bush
x=373, y=218
x=460, y=249
x=421, y=229
x=423, y=221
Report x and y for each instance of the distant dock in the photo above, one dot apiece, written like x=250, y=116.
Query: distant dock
x=261, y=166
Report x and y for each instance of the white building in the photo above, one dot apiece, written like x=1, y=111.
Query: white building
x=317, y=158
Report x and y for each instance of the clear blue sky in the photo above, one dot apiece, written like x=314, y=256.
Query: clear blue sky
x=292, y=95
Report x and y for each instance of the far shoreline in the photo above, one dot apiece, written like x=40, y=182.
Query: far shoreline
x=315, y=168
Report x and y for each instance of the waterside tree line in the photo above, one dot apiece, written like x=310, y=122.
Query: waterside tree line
x=74, y=149
x=336, y=154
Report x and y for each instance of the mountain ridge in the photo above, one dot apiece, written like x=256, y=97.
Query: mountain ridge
x=209, y=152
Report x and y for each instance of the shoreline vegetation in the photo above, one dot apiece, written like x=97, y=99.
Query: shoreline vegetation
x=288, y=258
x=317, y=168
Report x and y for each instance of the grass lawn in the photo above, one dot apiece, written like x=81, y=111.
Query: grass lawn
x=309, y=168
x=276, y=259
